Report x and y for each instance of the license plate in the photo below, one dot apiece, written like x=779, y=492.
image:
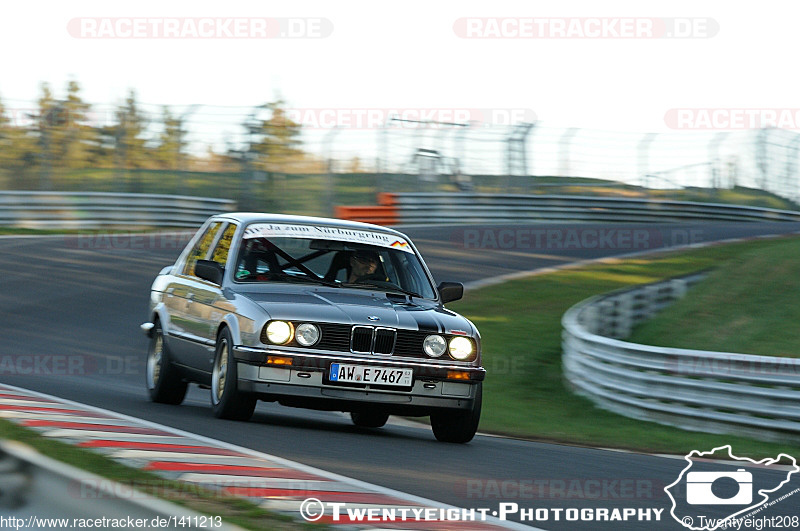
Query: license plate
x=370, y=375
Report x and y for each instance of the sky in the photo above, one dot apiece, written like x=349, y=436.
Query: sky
x=409, y=55
x=625, y=66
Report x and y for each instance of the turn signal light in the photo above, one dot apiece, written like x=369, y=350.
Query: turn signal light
x=279, y=360
x=457, y=375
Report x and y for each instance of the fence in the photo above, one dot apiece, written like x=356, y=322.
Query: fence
x=428, y=208
x=757, y=158
x=756, y=396
x=70, y=210
x=444, y=143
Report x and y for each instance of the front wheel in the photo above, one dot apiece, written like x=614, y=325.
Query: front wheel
x=227, y=401
x=164, y=384
x=458, y=426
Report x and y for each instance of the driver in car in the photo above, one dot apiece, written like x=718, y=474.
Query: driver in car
x=363, y=267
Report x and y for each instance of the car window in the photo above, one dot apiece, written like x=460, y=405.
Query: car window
x=291, y=259
x=408, y=273
x=224, y=245
x=201, y=248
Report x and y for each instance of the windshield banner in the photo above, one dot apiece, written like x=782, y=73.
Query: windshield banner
x=315, y=232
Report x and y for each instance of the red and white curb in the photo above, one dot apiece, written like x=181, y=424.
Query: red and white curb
x=271, y=482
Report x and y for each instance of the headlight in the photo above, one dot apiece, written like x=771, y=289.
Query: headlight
x=306, y=334
x=279, y=332
x=460, y=348
x=434, y=346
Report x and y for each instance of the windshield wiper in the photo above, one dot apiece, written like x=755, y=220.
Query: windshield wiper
x=382, y=286
x=305, y=278
x=409, y=293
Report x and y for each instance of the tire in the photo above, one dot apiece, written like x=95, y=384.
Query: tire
x=227, y=401
x=458, y=426
x=164, y=384
x=369, y=418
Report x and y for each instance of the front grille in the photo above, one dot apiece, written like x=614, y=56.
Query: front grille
x=409, y=343
x=364, y=339
x=335, y=337
x=361, y=340
x=384, y=340
x=369, y=340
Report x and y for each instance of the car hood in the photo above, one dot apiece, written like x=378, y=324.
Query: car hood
x=355, y=306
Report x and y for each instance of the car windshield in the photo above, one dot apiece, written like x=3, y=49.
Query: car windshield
x=266, y=257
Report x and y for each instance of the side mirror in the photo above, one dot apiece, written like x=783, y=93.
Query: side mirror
x=209, y=270
x=450, y=291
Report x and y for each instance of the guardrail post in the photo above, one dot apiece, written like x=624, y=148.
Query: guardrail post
x=590, y=319
x=624, y=315
x=678, y=287
x=607, y=320
x=650, y=299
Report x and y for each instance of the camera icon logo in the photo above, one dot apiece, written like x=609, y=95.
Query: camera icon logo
x=699, y=488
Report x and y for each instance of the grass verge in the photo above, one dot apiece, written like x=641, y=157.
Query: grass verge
x=520, y=322
x=232, y=510
x=748, y=305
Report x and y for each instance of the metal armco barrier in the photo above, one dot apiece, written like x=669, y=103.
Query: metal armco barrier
x=718, y=392
x=91, y=210
x=37, y=492
x=427, y=208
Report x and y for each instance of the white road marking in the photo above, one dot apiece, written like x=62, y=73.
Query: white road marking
x=287, y=463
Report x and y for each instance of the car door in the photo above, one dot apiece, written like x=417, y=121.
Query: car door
x=208, y=305
x=188, y=340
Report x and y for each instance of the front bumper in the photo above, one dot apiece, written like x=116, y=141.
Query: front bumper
x=304, y=383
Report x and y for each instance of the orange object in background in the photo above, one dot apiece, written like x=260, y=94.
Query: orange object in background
x=386, y=213
x=387, y=199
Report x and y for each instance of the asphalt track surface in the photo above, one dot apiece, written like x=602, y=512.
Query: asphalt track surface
x=71, y=306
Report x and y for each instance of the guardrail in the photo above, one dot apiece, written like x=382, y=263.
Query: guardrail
x=720, y=392
x=91, y=210
x=427, y=208
x=37, y=492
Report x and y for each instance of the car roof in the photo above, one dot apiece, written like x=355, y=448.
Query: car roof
x=250, y=217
